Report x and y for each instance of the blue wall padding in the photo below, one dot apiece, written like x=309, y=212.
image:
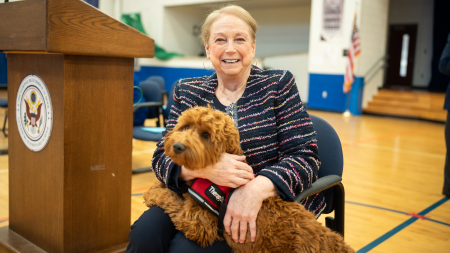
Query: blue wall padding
x=335, y=99
x=171, y=75
x=356, y=96
x=3, y=70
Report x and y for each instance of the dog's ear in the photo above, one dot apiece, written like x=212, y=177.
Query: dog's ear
x=231, y=134
x=168, y=135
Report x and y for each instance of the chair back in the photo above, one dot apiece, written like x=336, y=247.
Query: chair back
x=160, y=81
x=330, y=153
x=152, y=93
x=170, y=99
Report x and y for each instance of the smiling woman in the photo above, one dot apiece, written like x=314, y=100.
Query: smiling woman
x=275, y=133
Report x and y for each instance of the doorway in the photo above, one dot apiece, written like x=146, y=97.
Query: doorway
x=401, y=52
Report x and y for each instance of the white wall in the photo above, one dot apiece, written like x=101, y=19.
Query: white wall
x=282, y=37
x=326, y=57
x=373, y=34
x=418, y=12
x=283, y=29
x=297, y=64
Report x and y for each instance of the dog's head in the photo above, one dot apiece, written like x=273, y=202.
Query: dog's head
x=200, y=137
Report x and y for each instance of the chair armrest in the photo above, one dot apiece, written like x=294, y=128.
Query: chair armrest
x=147, y=104
x=319, y=185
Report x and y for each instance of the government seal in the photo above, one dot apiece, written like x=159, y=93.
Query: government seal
x=34, y=113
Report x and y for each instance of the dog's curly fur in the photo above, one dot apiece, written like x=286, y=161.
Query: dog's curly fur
x=281, y=226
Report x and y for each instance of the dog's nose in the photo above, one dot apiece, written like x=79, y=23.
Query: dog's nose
x=178, y=148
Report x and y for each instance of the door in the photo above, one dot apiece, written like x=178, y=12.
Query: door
x=401, y=52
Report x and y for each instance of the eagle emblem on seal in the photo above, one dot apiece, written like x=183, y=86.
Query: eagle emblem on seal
x=33, y=110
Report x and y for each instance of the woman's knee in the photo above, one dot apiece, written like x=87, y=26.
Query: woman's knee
x=152, y=232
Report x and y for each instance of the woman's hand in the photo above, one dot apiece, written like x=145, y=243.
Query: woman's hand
x=231, y=171
x=244, y=207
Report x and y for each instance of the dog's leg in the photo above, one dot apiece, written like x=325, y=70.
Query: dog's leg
x=159, y=195
x=197, y=223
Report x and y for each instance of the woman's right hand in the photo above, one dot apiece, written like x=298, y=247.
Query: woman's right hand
x=231, y=171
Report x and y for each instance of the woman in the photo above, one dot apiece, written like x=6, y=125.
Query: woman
x=275, y=131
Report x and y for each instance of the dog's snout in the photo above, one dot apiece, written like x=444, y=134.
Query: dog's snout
x=178, y=148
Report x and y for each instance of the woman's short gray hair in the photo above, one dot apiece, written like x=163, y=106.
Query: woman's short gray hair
x=228, y=10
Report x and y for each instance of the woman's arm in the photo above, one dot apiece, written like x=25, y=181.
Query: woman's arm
x=297, y=167
x=231, y=171
x=298, y=163
x=444, y=62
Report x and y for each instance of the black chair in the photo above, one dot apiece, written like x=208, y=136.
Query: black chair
x=161, y=82
x=152, y=133
x=330, y=174
x=151, y=92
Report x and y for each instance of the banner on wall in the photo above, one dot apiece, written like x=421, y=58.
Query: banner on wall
x=332, y=20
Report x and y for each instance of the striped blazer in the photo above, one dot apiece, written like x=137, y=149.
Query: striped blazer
x=276, y=132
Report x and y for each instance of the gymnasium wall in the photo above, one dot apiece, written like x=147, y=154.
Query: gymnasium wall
x=327, y=60
x=418, y=12
x=282, y=37
x=374, y=22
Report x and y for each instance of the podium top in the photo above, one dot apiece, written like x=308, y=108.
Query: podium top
x=68, y=27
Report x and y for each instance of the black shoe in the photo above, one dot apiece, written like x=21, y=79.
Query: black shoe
x=446, y=193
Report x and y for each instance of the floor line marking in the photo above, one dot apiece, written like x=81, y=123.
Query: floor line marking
x=395, y=211
x=141, y=189
x=400, y=227
x=400, y=151
x=386, y=136
x=377, y=207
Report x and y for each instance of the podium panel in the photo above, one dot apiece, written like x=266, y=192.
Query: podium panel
x=74, y=194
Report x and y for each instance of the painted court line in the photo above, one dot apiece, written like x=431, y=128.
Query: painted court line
x=400, y=227
x=140, y=189
x=395, y=211
x=386, y=136
x=401, y=151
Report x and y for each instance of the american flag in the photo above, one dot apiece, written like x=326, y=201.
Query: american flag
x=353, y=51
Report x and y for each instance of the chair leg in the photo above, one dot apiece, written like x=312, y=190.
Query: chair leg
x=339, y=208
x=141, y=170
x=4, y=126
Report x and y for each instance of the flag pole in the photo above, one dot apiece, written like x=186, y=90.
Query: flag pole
x=347, y=110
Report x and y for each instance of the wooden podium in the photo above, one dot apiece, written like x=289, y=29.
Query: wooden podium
x=75, y=194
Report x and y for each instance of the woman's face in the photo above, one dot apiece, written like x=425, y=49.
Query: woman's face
x=230, y=47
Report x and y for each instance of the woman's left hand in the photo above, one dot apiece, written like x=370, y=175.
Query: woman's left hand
x=244, y=207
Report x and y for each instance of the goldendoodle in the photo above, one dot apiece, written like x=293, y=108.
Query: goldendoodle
x=198, y=140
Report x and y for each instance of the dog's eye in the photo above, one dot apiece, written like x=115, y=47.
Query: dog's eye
x=186, y=127
x=205, y=135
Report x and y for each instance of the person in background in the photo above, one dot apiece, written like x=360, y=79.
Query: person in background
x=444, y=68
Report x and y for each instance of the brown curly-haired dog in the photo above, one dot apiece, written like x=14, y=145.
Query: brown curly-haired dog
x=281, y=226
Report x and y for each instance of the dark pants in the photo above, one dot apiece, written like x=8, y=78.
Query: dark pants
x=155, y=232
x=446, y=189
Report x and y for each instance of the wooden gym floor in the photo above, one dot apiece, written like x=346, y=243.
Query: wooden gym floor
x=393, y=177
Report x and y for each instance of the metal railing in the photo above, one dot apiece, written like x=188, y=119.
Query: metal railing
x=375, y=68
